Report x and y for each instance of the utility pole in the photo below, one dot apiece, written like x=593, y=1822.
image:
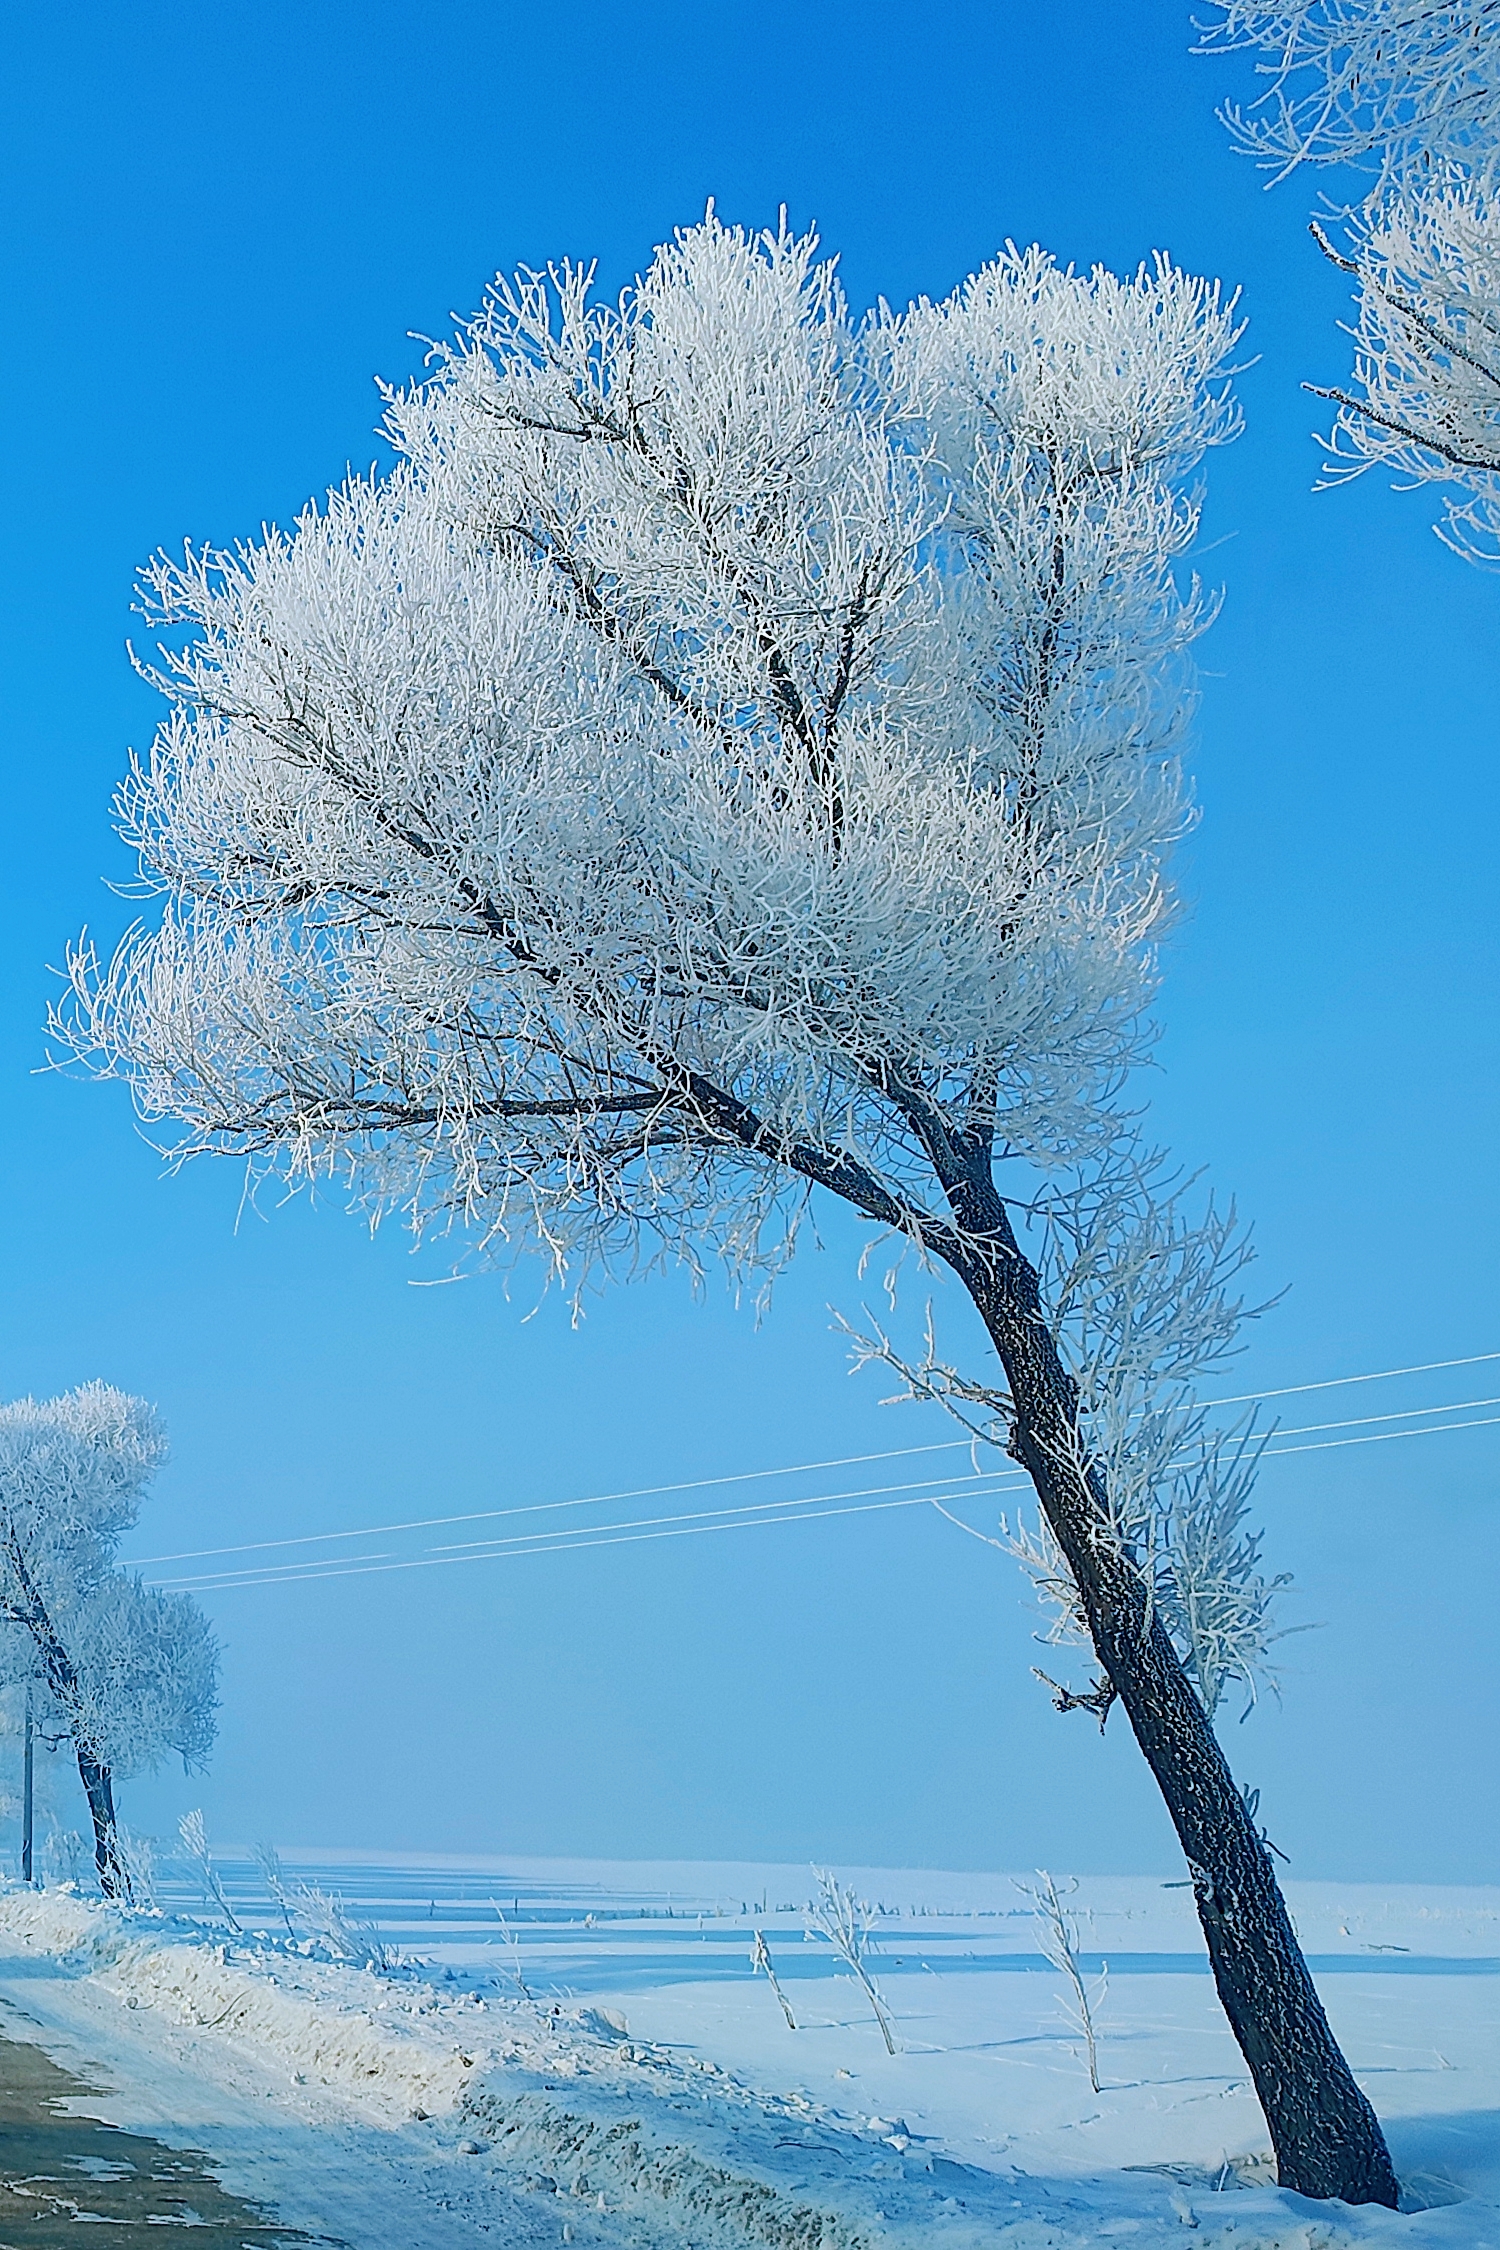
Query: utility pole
x=27, y=1796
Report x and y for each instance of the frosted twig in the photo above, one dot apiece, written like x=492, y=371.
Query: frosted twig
x=268, y=1859
x=1099, y=1699
x=1059, y=1942
x=1383, y=82
x=931, y=1379
x=136, y=1859
x=846, y=1922
x=195, y=1843
x=513, y=1953
x=760, y=1961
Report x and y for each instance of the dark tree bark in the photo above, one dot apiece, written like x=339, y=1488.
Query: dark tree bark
x=1325, y=2134
x=98, y=1787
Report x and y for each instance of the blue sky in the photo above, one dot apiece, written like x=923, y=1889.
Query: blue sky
x=223, y=223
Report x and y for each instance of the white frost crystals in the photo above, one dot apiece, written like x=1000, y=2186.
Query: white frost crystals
x=720, y=709
x=1146, y=1302
x=1426, y=382
x=1413, y=92
x=1364, y=80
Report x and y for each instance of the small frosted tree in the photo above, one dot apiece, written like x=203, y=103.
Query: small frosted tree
x=1413, y=93
x=735, y=753
x=1057, y=1932
x=847, y=1923
x=124, y=1672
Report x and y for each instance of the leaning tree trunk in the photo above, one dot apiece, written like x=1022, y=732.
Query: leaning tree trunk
x=61, y=1675
x=98, y=1787
x=1326, y=2136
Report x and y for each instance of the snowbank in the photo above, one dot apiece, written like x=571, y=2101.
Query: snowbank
x=609, y=2139
x=345, y=2028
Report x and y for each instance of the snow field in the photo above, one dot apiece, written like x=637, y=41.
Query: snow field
x=648, y=2090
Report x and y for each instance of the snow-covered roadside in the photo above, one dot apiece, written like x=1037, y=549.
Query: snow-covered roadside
x=382, y=2111
x=145, y=2010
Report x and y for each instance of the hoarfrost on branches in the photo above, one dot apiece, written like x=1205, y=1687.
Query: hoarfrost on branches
x=331, y=1923
x=729, y=740
x=136, y=1857
x=1416, y=89
x=194, y=1834
x=1426, y=382
x=1356, y=80
x=1146, y=1303
x=1057, y=1936
x=847, y=1923
x=761, y=1964
x=268, y=1860
x=727, y=735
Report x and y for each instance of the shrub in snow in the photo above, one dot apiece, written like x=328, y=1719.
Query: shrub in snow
x=326, y=1916
x=64, y=1857
x=124, y=1672
x=513, y=1953
x=268, y=1860
x=136, y=1858
x=761, y=1964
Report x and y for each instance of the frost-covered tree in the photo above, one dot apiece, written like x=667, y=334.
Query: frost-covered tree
x=734, y=753
x=124, y=1672
x=1413, y=92
x=1425, y=396
x=1387, y=83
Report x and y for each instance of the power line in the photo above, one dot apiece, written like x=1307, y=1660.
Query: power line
x=808, y=1500
x=1273, y=1452
x=516, y=1554
x=995, y=1480
x=754, y=1476
x=541, y=1507
x=1338, y=1382
x=470, y=1548
x=1361, y=1421
x=1384, y=1437
x=756, y=1515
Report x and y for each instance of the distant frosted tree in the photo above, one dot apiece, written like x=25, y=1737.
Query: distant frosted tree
x=734, y=752
x=125, y=1673
x=1413, y=92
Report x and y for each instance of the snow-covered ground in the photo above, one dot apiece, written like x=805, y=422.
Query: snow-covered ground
x=569, y=2051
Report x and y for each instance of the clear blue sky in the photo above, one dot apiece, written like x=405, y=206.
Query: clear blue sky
x=222, y=223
